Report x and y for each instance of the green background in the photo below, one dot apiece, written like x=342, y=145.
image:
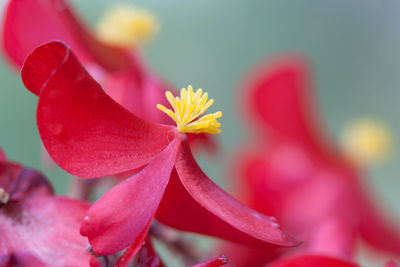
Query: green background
x=352, y=44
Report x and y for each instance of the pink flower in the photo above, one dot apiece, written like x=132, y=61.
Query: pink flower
x=36, y=227
x=295, y=173
x=90, y=135
x=122, y=72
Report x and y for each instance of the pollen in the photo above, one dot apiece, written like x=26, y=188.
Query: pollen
x=4, y=196
x=127, y=26
x=187, y=109
x=367, y=141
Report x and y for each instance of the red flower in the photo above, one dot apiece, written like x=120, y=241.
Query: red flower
x=90, y=135
x=121, y=71
x=297, y=175
x=36, y=227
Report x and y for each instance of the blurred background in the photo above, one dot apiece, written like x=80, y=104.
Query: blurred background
x=353, y=46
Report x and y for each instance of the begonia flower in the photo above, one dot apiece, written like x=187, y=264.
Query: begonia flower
x=38, y=228
x=110, y=56
x=88, y=134
x=296, y=173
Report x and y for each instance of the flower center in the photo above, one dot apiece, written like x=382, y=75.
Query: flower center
x=4, y=196
x=367, y=141
x=126, y=26
x=188, y=107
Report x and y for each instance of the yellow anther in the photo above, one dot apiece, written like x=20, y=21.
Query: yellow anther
x=125, y=25
x=188, y=107
x=367, y=141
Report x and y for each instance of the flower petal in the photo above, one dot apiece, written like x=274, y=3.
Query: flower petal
x=281, y=96
x=121, y=215
x=30, y=23
x=312, y=260
x=194, y=203
x=46, y=227
x=83, y=129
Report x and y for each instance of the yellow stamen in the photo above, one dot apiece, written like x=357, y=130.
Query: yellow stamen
x=4, y=196
x=188, y=107
x=367, y=141
x=126, y=26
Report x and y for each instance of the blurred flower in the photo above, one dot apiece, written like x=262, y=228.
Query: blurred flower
x=121, y=70
x=36, y=227
x=295, y=173
x=90, y=135
x=126, y=26
x=367, y=141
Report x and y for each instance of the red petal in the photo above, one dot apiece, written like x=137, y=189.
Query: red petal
x=312, y=260
x=281, y=96
x=115, y=221
x=214, y=262
x=195, y=203
x=83, y=129
x=30, y=23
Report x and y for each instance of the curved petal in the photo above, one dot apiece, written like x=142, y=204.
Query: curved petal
x=199, y=205
x=30, y=23
x=312, y=260
x=280, y=96
x=83, y=129
x=121, y=215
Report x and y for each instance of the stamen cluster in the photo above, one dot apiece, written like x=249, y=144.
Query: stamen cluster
x=188, y=107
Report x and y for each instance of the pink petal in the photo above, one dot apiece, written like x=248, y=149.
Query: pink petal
x=47, y=228
x=121, y=215
x=280, y=96
x=83, y=129
x=30, y=23
x=312, y=260
x=195, y=203
x=391, y=264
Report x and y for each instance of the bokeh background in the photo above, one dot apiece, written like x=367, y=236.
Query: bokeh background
x=353, y=46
